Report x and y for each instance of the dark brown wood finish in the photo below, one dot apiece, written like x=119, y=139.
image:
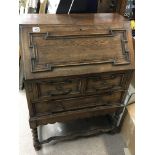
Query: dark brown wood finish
x=77, y=66
x=36, y=142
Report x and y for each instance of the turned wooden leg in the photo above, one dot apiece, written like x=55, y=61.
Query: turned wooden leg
x=36, y=142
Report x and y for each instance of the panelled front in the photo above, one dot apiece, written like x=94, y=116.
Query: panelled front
x=77, y=86
x=50, y=51
x=71, y=93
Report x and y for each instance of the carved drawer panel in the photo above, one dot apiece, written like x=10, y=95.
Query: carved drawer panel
x=57, y=88
x=67, y=87
x=104, y=82
x=106, y=99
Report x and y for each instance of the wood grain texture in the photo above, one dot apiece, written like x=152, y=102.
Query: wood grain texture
x=51, y=51
x=77, y=19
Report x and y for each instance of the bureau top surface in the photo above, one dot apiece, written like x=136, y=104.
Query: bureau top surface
x=97, y=18
x=66, y=45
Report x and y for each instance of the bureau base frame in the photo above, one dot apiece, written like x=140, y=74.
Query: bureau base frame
x=95, y=125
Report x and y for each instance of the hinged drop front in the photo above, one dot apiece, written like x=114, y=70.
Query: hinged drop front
x=75, y=48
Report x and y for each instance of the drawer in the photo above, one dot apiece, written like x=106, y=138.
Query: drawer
x=55, y=88
x=106, y=99
x=106, y=82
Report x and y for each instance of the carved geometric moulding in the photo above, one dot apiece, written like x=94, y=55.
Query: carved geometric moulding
x=49, y=51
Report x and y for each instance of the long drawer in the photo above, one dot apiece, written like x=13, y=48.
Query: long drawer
x=54, y=106
x=68, y=87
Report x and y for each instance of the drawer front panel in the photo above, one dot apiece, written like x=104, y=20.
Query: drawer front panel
x=106, y=82
x=106, y=99
x=58, y=88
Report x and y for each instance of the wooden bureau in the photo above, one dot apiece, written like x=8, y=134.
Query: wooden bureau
x=75, y=66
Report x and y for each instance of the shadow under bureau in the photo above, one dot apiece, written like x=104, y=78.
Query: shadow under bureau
x=75, y=66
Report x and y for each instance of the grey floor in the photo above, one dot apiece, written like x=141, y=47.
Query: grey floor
x=103, y=144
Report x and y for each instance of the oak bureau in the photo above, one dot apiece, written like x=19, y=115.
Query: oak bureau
x=75, y=66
